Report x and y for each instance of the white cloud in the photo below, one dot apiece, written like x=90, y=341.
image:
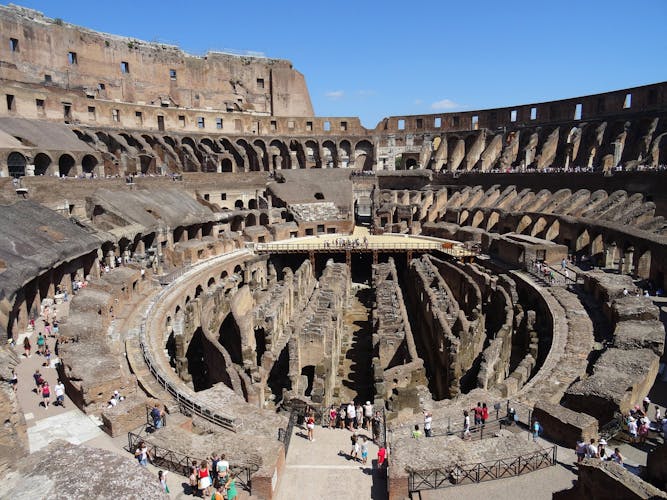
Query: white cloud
x=418, y=102
x=334, y=94
x=445, y=104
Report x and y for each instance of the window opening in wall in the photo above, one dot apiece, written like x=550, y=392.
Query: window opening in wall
x=401, y=124
x=456, y=121
x=274, y=125
x=164, y=104
x=160, y=122
x=67, y=112
x=223, y=196
x=13, y=44
x=101, y=86
x=71, y=58
x=47, y=79
x=260, y=83
x=327, y=126
x=320, y=228
x=343, y=126
x=218, y=123
x=207, y=196
x=200, y=122
x=115, y=115
x=91, y=113
x=533, y=113
x=513, y=115
x=577, y=111
x=290, y=124
x=309, y=126
x=10, y=102
x=172, y=74
x=627, y=104
x=181, y=121
x=475, y=122
x=420, y=123
x=40, y=105
x=437, y=123
x=124, y=67
x=139, y=116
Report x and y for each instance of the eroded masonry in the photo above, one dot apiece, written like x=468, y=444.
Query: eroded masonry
x=226, y=254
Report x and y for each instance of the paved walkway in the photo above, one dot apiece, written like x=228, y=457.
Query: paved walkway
x=322, y=469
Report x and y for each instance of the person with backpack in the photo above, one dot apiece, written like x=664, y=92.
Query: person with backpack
x=156, y=415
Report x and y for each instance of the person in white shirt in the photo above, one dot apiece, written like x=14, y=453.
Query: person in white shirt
x=59, y=389
x=428, y=419
x=351, y=415
x=368, y=415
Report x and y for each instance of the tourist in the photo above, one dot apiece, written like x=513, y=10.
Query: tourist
x=580, y=450
x=40, y=344
x=632, y=429
x=592, y=450
x=193, y=480
x=141, y=454
x=377, y=425
x=26, y=346
x=466, y=425
x=360, y=416
x=664, y=428
x=478, y=413
x=646, y=403
x=214, y=469
x=368, y=415
x=218, y=493
x=382, y=455
x=602, y=450
x=625, y=292
x=416, y=433
x=162, y=477
x=364, y=450
x=351, y=416
x=485, y=413
x=230, y=487
x=310, y=426
x=658, y=415
x=156, y=415
x=616, y=457
x=203, y=478
x=354, y=451
x=428, y=420
x=14, y=380
x=511, y=416
x=642, y=431
x=39, y=380
x=47, y=356
x=333, y=415
x=342, y=415
x=537, y=428
x=222, y=468
x=60, y=394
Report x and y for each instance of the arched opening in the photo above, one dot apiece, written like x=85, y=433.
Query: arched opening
x=170, y=346
x=279, y=375
x=238, y=204
x=309, y=372
x=229, y=337
x=263, y=219
x=211, y=282
x=226, y=165
x=197, y=367
x=88, y=163
x=65, y=165
x=252, y=204
x=42, y=163
x=198, y=291
x=410, y=164
x=147, y=164
x=251, y=220
x=16, y=163
x=260, y=344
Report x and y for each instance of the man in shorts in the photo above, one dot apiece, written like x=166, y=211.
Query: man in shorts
x=59, y=389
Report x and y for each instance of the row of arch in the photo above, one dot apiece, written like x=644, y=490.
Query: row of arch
x=225, y=154
x=43, y=163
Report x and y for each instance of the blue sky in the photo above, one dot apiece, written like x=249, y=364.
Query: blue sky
x=375, y=59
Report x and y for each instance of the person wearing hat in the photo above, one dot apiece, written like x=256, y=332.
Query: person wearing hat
x=602, y=451
x=368, y=415
x=632, y=429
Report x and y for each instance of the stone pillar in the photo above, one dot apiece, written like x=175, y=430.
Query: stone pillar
x=609, y=255
x=629, y=261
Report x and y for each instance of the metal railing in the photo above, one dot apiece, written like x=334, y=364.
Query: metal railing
x=436, y=478
x=181, y=463
x=388, y=246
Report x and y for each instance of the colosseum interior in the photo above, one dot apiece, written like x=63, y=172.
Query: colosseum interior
x=213, y=247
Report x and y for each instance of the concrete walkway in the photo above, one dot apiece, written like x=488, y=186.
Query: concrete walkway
x=322, y=469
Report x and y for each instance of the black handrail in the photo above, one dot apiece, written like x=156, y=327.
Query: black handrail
x=181, y=463
x=444, y=477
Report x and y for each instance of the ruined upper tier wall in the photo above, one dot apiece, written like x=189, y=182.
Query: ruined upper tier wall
x=141, y=72
x=631, y=101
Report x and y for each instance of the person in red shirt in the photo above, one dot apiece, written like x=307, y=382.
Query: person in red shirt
x=382, y=455
x=485, y=413
x=478, y=413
